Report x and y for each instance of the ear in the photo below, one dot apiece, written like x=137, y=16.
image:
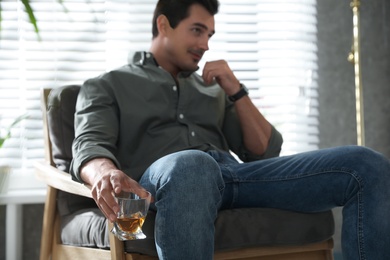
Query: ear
x=163, y=25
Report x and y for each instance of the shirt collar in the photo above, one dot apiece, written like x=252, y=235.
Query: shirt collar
x=142, y=58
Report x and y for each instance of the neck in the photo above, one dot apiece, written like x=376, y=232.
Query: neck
x=162, y=60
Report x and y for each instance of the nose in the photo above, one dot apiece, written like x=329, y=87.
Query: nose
x=204, y=43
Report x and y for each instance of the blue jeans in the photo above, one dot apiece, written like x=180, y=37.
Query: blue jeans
x=190, y=187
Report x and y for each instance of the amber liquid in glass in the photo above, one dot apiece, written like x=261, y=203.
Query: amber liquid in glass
x=131, y=224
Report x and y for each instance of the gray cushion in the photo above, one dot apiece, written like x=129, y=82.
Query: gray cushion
x=235, y=228
x=261, y=227
x=86, y=227
x=246, y=227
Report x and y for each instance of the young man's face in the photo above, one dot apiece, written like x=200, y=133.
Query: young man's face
x=186, y=44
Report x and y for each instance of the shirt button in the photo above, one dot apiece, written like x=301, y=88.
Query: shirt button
x=181, y=116
x=192, y=133
x=174, y=88
x=148, y=55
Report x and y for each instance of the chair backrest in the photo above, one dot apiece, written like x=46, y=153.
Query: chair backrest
x=60, y=109
x=60, y=106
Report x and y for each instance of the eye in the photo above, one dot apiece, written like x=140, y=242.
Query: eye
x=197, y=30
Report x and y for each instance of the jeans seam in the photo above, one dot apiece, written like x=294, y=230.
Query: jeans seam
x=304, y=175
x=361, y=243
x=360, y=226
x=229, y=169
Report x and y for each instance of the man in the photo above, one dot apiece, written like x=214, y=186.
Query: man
x=157, y=125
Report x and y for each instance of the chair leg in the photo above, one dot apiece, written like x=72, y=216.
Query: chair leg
x=116, y=246
x=48, y=222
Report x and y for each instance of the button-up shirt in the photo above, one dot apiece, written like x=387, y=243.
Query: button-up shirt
x=138, y=113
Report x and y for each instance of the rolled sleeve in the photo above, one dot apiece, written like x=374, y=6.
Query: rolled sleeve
x=96, y=126
x=87, y=155
x=234, y=137
x=273, y=150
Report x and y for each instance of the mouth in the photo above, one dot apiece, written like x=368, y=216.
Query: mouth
x=196, y=54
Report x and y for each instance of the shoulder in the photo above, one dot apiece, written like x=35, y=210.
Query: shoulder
x=127, y=73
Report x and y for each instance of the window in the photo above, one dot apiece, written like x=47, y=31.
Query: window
x=270, y=45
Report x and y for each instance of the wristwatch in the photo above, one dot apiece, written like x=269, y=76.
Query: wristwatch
x=242, y=92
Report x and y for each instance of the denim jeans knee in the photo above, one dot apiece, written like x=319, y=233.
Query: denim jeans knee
x=187, y=187
x=186, y=171
x=372, y=171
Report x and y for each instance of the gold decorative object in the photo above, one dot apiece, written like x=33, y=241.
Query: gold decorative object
x=354, y=58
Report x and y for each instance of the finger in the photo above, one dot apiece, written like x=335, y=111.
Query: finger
x=208, y=73
x=135, y=187
x=116, y=181
x=204, y=73
x=121, y=182
x=106, y=201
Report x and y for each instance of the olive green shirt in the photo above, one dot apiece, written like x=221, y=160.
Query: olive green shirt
x=138, y=113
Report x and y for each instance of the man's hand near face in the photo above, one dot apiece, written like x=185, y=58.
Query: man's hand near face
x=220, y=72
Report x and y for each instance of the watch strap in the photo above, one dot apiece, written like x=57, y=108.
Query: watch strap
x=242, y=92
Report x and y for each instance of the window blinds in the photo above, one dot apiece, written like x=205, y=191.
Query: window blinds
x=270, y=45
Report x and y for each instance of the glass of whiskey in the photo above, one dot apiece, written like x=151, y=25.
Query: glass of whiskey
x=131, y=216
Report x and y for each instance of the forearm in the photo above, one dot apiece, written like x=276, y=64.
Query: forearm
x=255, y=128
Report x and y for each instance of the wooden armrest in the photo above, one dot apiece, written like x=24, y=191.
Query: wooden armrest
x=60, y=180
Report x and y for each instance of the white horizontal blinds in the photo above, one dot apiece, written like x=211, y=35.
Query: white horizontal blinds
x=72, y=49
x=129, y=29
x=271, y=46
x=287, y=65
x=10, y=77
x=73, y=42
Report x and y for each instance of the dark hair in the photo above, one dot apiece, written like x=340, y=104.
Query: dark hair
x=177, y=10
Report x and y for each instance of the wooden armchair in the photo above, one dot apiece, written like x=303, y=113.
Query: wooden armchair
x=273, y=234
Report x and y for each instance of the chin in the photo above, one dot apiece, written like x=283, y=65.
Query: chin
x=192, y=67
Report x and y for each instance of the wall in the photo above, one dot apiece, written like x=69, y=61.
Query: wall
x=336, y=77
x=336, y=93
